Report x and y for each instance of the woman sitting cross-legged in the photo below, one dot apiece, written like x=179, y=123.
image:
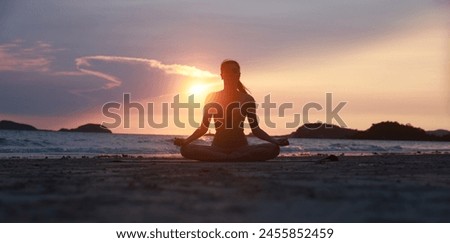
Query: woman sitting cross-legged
x=229, y=108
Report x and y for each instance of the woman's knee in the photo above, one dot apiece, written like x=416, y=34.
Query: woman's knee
x=265, y=152
x=202, y=153
x=186, y=151
x=274, y=150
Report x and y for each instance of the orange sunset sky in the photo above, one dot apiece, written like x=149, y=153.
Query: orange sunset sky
x=61, y=61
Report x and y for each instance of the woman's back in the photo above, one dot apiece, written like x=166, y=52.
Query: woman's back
x=229, y=110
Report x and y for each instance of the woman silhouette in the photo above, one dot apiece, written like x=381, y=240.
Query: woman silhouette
x=229, y=108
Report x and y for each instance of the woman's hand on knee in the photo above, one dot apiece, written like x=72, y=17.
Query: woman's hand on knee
x=282, y=141
x=179, y=141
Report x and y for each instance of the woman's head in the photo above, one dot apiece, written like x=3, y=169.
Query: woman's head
x=231, y=73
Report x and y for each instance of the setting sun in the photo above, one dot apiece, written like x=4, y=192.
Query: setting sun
x=201, y=89
x=198, y=89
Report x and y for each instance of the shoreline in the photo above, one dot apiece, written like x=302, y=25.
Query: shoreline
x=88, y=145
x=383, y=188
x=178, y=156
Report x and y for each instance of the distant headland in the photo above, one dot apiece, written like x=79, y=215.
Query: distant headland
x=90, y=127
x=10, y=125
x=387, y=130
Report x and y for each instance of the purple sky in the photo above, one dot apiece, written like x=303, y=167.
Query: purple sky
x=65, y=59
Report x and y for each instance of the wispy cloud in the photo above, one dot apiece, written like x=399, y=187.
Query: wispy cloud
x=56, y=83
x=17, y=56
x=85, y=65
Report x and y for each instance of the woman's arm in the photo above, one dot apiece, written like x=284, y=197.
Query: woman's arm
x=256, y=130
x=261, y=134
x=195, y=135
x=200, y=131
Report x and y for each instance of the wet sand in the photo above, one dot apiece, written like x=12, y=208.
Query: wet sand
x=382, y=188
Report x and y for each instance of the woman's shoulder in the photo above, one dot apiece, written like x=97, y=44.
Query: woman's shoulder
x=220, y=95
x=247, y=97
x=212, y=95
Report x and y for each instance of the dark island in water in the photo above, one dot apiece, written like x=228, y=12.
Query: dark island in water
x=322, y=130
x=10, y=125
x=387, y=130
x=90, y=127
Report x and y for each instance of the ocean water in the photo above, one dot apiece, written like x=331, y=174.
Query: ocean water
x=41, y=144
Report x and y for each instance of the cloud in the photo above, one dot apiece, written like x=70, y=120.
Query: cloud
x=202, y=33
x=33, y=81
x=184, y=70
x=17, y=56
x=84, y=65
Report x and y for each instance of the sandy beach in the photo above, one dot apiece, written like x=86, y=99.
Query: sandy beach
x=381, y=188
